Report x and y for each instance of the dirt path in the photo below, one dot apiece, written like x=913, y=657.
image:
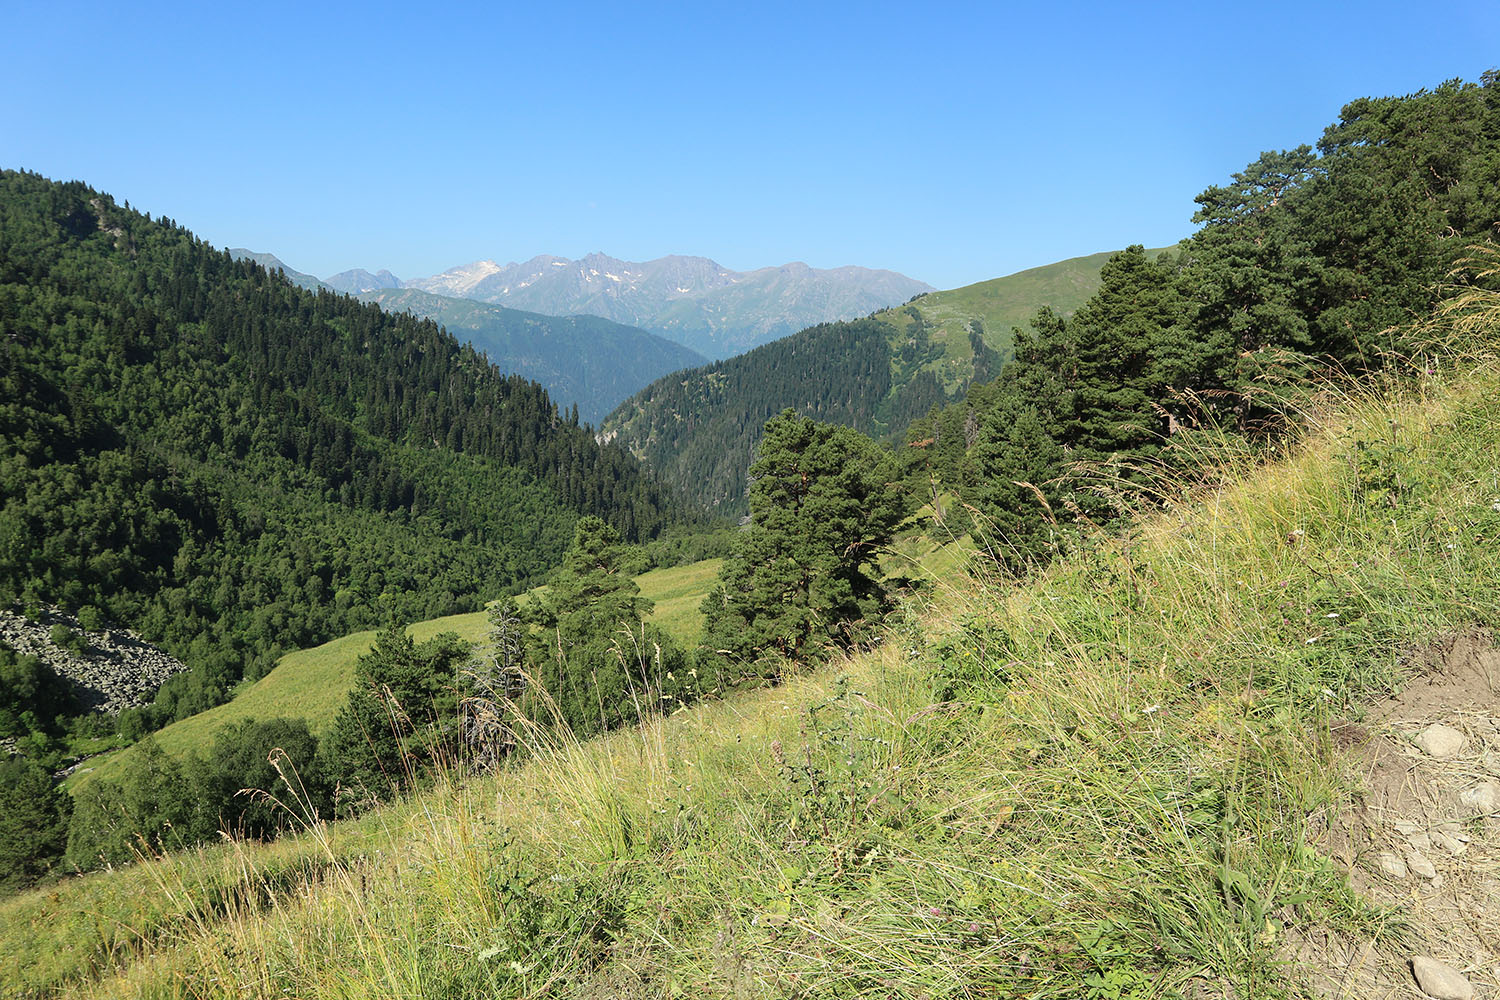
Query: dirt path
x=1421, y=838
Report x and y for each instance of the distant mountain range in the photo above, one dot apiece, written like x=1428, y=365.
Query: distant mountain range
x=691, y=300
x=359, y=281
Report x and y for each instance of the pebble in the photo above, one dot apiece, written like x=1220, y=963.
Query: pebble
x=1439, y=981
x=1440, y=741
x=1491, y=762
x=1482, y=798
x=1393, y=865
x=1451, y=839
x=1419, y=865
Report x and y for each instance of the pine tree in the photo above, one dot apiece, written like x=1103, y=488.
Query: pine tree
x=33, y=823
x=402, y=713
x=598, y=661
x=824, y=500
x=1019, y=463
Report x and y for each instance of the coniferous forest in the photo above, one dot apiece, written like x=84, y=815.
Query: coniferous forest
x=235, y=467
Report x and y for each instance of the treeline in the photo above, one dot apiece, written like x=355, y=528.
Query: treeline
x=1307, y=258
x=234, y=466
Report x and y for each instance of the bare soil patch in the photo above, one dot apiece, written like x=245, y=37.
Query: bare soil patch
x=1420, y=838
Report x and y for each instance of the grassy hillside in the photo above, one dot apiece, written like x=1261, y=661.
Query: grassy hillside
x=998, y=305
x=1133, y=777
x=312, y=683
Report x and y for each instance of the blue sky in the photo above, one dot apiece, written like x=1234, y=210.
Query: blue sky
x=952, y=142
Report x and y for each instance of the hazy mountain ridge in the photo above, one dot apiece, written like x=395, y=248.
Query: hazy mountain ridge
x=692, y=300
x=592, y=362
x=271, y=262
x=359, y=281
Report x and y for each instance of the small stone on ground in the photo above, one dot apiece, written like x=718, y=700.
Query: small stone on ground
x=1440, y=741
x=1419, y=865
x=1439, y=981
x=1483, y=797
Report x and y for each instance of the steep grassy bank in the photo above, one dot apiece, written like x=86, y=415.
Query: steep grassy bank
x=1097, y=785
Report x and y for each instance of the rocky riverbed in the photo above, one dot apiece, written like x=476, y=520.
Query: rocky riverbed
x=116, y=669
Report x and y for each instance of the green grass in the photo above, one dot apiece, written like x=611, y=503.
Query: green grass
x=311, y=683
x=1093, y=785
x=1000, y=304
x=678, y=593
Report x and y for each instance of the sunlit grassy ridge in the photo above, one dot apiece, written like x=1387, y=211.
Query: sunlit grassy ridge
x=1000, y=305
x=1095, y=785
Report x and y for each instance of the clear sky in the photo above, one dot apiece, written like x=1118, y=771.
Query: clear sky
x=951, y=142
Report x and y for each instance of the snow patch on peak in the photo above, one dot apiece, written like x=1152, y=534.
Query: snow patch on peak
x=460, y=280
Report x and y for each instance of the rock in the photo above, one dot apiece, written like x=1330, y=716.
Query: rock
x=1392, y=865
x=1419, y=865
x=1440, y=741
x=1491, y=762
x=1482, y=798
x=1439, y=981
x=1451, y=838
x=109, y=669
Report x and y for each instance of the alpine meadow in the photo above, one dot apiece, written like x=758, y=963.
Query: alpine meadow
x=1117, y=627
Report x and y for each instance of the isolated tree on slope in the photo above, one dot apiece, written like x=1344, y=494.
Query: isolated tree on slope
x=824, y=500
x=402, y=712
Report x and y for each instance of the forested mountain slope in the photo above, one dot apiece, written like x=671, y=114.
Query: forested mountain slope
x=582, y=361
x=698, y=429
x=235, y=466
